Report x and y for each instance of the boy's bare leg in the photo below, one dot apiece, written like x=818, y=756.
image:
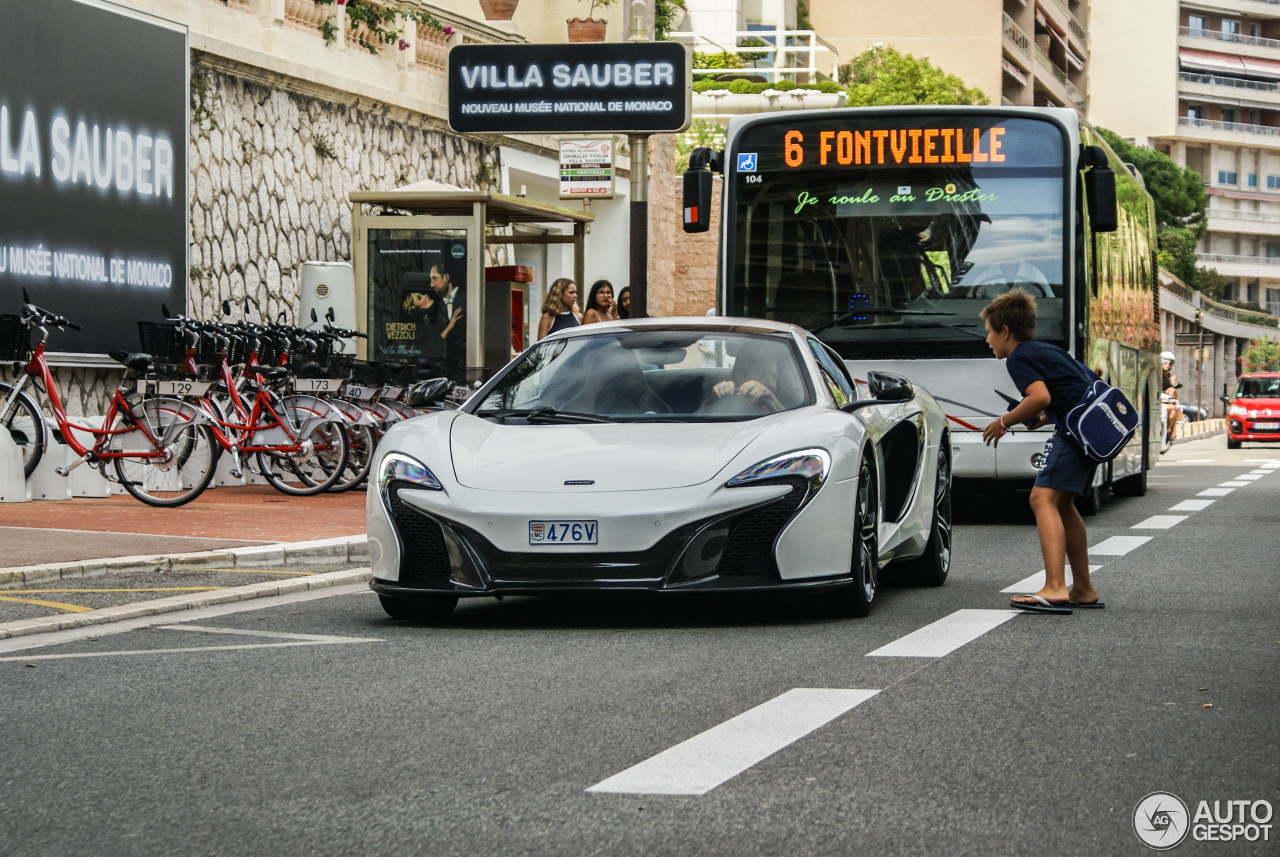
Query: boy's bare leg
x=1077, y=543
x=1046, y=503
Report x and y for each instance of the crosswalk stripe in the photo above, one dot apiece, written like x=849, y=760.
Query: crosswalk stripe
x=698, y=765
x=1118, y=545
x=1233, y=484
x=946, y=635
x=1159, y=522
x=1035, y=582
x=1248, y=477
x=1215, y=492
x=1191, y=506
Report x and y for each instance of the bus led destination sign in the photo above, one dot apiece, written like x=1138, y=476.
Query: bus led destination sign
x=563, y=89
x=888, y=147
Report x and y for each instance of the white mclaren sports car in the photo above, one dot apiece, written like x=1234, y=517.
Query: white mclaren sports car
x=664, y=455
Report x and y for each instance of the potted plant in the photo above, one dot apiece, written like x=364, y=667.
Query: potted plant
x=498, y=10
x=590, y=28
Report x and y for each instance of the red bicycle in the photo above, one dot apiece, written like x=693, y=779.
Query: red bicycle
x=161, y=447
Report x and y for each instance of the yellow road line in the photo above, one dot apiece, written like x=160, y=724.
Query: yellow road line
x=70, y=608
x=248, y=571
x=158, y=589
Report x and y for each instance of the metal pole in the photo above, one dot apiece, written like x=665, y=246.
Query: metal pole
x=639, y=225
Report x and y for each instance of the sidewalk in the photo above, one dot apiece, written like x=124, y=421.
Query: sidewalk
x=84, y=561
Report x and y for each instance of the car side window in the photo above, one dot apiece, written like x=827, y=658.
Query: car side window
x=833, y=373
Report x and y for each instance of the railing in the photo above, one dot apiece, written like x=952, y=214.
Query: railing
x=1268, y=261
x=1236, y=38
x=1215, y=125
x=1048, y=63
x=1215, y=80
x=785, y=59
x=1006, y=102
x=1072, y=23
x=1180, y=289
x=1236, y=214
x=1014, y=33
x=1077, y=97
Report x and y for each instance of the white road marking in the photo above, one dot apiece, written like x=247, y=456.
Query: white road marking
x=40, y=641
x=1192, y=505
x=1248, y=477
x=946, y=635
x=1261, y=471
x=238, y=632
x=1233, y=484
x=1188, y=461
x=1215, y=492
x=1159, y=522
x=697, y=766
x=1118, y=545
x=295, y=644
x=1035, y=582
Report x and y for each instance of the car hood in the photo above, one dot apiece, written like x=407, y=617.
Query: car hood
x=614, y=456
x=1270, y=406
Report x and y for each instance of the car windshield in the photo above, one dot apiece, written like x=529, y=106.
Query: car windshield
x=664, y=375
x=1258, y=388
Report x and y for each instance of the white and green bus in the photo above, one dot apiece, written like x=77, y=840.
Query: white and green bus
x=885, y=231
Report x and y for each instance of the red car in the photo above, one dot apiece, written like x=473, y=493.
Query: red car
x=1253, y=410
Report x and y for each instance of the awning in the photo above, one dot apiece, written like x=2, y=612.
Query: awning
x=1040, y=19
x=1013, y=71
x=1074, y=60
x=1206, y=61
x=1262, y=68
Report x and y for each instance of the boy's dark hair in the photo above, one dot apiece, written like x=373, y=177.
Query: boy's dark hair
x=1014, y=309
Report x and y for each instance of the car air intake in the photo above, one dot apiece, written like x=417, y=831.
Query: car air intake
x=425, y=557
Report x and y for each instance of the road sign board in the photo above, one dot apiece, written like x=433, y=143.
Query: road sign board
x=1188, y=338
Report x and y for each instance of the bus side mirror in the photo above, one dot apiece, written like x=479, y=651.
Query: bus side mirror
x=697, y=188
x=1100, y=190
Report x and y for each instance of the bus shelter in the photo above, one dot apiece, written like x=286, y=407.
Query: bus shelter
x=422, y=294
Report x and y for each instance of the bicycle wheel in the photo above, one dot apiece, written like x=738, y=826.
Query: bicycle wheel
x=316, y=468
x=189, y=460
x=22, y=419
x=360, y=444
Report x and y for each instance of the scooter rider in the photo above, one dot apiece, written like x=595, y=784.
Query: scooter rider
x=1169, y=386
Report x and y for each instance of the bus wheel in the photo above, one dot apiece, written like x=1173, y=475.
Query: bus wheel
x=1136, y=485
x=1090, y=504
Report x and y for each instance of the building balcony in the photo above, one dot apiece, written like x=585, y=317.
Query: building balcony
x=802, y=52
x=1250, y=267
x=1256, y=9
x=1228, y=90
x=1016, y=42
x=718, y=105
x=1232, y=133
x=1245, y=222
x=1059, y=12
x=1235, y=43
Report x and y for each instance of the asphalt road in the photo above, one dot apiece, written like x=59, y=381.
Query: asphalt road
x=320, y=727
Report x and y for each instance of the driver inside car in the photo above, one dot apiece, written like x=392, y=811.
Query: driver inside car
x=754, y=378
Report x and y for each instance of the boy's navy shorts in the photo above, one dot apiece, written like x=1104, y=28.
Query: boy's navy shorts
x=1065, y=466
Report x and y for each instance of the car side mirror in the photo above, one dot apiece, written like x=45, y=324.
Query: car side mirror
x=314, y=317
x=1226, y=400
x=889, y=387
x=226, y=307
x=696, y=202
x=330, y=315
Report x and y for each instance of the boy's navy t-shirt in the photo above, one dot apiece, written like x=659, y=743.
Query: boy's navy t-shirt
x=1034, y=360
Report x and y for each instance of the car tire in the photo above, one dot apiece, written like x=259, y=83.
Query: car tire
x=1090, y=504
x=931, y=567
x=419, y=607
x=1136, y=485
x=857, y=599
x=1233, y=444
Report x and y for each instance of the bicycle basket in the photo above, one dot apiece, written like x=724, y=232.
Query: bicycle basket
x=162, y=341
x=15, y=338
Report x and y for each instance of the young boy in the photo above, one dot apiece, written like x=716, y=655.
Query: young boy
x=1050, y=383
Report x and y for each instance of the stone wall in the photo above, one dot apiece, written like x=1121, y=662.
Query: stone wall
x=682, y=267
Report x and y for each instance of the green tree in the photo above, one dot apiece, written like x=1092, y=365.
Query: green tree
x=1263, y=355
x=881, y=76
x=1178, y=192
x=1177, y=254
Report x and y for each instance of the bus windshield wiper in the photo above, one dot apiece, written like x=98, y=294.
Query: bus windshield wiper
x=864, y=312
x=543, y=412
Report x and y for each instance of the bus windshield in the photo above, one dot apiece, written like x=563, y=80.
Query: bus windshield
x=873, y=229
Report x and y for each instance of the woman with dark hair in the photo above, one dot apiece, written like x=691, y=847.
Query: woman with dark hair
x=624, y=302
x=600, y=304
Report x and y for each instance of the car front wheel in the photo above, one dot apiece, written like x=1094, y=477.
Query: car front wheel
x=931, y=568
x=856, y=599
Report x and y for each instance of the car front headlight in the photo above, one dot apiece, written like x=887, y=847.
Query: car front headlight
x=1237, y=411
x=812, y=465
x=403, y=468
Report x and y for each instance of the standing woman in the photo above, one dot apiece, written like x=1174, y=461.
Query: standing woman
x=624, y=302
x=600, y=303
x=560, y=309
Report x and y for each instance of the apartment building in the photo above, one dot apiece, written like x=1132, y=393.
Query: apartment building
x=1024, y=52
x=1200, y=81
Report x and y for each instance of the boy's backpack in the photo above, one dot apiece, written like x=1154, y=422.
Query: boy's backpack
x=1103, y=421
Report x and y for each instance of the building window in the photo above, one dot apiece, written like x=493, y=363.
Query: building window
x=1230, y=30
x=1252, y=179
x=1195, y=23
x=1255, y=30
x=1228, y=114
x=1226, y=176
x=1273, y=182
x=1193, y=111
x=1255, y=117
x=1272, y=249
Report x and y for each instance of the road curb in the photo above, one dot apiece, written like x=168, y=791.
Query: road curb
x=1198, y=430
x=335, y=551
x=107, y=615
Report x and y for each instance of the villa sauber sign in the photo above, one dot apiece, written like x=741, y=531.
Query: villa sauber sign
x=610, y=87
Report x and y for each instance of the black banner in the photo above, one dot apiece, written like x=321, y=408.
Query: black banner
x=93, y=167
x=610, y=87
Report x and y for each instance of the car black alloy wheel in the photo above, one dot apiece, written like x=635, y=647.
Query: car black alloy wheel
x=931, y=568
x=857, y=598
x=419, y=608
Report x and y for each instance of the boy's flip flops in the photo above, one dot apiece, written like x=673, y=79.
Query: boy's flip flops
x=1042, y=605
x=1096, y=605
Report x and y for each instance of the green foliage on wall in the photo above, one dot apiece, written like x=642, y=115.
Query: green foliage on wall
x=881, y=76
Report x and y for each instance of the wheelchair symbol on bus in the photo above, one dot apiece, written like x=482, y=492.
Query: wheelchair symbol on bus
x=746, y=162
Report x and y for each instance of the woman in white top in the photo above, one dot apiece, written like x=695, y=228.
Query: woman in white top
x=560, y=308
